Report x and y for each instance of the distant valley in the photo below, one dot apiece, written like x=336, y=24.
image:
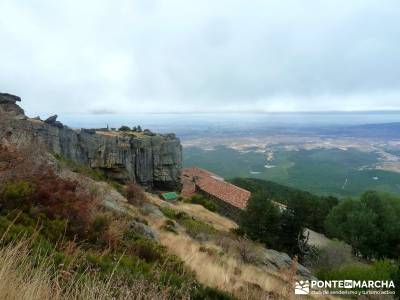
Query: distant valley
x=342, y=154
x=337, y=160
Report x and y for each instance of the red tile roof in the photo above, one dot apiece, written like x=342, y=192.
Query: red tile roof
x=215, y=186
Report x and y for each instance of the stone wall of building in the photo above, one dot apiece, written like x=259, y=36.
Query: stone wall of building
x=223, y=207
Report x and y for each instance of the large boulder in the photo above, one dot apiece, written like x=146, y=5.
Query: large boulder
x=51, y=119
x=8, y=98
x=150, y=209
x=8, y=105
x=278, y=260
x=143, y=229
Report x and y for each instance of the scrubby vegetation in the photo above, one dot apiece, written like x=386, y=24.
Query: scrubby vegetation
x=124, y=128
x=379, y=270
x=198, y=199
x=74, y=248
x=263, y=221
x=83, y=239
x=195, y=228
x=371, y=225
x=81, y=169
x=313, y=209
x=87, y=171
x=135, y=194
x=223, y=259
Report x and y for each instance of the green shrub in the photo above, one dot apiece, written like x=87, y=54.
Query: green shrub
x=149, y=250
x=170, y=226
x=369, y=224
x=207, y=293
x=379, y=270
x=396, y=278
x=195, y=228
x=15, y=194
x=124, y=128
x=100, y=223
x=81, y=169
x=168, y=212
x=197, y=199
x=238, y=231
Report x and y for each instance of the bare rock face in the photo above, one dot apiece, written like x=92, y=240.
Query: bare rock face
x=8, y=98
x=150, y=160
x=278, y=260
x=8, y=104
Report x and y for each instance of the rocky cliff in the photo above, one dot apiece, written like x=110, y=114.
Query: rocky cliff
x=149, y=159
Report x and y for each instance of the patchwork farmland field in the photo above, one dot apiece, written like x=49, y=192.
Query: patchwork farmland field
x=322, y=171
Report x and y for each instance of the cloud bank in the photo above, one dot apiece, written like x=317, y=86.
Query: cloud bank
x=128, y=56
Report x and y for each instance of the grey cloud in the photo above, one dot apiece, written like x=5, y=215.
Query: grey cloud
x=178, y=55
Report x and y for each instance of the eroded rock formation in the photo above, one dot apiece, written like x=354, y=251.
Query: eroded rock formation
x=151, y=160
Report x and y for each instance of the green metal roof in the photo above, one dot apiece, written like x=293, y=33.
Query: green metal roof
x=169, y=196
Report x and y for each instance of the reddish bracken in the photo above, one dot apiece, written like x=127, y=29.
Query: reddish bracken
x=60, y=198
x=51, y=195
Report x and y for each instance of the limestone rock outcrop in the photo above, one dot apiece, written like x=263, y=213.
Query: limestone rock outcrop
x=8, y=104
x=150, y=160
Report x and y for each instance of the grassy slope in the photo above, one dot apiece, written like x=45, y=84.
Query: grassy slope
x=77, y=248
x=215, y=263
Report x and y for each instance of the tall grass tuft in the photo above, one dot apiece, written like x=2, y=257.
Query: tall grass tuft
x=26, y=277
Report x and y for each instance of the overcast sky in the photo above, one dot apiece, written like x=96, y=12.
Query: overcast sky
x=127, y=56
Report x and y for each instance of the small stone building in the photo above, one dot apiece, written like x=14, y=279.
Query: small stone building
x=230, y=199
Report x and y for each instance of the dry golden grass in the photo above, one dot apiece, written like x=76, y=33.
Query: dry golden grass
x=217, y=221
x=19, y=280
x=35, y=121
x=121, y=133
x=223, y=268
x=222, y=272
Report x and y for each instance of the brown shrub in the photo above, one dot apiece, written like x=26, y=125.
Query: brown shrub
x=52, y=196
x=60, y=198
x=24, y=162
x=289, y=276
x=114, y=233
x=248, y=252
x=135, y=194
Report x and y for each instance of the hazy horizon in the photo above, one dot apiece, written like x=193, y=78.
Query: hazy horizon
x=183, y=123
